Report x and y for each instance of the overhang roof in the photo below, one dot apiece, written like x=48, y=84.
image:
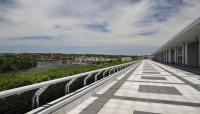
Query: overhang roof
x=188, y=34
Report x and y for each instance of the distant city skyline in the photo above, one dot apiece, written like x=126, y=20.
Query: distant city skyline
x=119, y=27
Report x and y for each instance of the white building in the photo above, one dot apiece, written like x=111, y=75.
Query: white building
x=184, y=48
x=126, y=58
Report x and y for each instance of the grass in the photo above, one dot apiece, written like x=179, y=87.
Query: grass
x=10, y=80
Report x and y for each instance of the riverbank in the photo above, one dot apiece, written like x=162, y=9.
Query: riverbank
x=44, y=66
x=11, y=63
x=10, y=80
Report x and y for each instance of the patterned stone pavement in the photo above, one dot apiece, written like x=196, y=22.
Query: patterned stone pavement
x=149, y=88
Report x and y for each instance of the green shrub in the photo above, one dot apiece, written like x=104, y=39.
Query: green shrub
x=8, y=63
x=9, y=80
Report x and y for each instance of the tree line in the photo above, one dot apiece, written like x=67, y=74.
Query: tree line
x=12, y=62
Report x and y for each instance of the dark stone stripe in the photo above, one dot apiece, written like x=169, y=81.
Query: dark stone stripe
x=155, y=101
x=195, y=86
x=156, y=82
x=158, y=89
x=142, y=112
x=153, y=78
x=96, y=106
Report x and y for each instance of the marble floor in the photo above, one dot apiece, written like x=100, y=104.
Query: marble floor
x=149, y=88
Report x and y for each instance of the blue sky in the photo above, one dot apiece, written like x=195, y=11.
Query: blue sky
x=92, y=26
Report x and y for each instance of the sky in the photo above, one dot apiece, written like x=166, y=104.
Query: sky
x=126, y=27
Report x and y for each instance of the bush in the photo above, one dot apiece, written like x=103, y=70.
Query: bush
x=9, y=80
x=8, y=63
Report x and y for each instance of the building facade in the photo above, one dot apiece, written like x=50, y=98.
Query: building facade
x=184, y=48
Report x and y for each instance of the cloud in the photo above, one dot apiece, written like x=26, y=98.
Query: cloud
x=147, y=33
x=4, y=20
x=34, y=38
x=163, y=9
x=98, y=27
x=93, y=25
x=8, y=3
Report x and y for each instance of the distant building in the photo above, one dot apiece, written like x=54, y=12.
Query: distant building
x=148, y=57
x=126, y=59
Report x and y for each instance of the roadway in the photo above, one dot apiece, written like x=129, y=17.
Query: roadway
x=149, y=88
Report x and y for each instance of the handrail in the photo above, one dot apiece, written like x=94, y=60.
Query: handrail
x=23, y=89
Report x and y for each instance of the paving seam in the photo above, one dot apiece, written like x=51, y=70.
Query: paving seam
x=195, y=86
x=154, y=101
x=157, y=82
x=97, y=105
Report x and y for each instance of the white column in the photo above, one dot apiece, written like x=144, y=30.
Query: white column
x=165, y=56
x=169, y=55
x=186, y=54
x=175, y=55
x=182, y=53
x=199, y=51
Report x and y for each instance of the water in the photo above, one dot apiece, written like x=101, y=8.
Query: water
x=44, y=66
x=41, y=66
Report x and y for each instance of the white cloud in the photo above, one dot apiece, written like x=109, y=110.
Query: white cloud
x=67, y=19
